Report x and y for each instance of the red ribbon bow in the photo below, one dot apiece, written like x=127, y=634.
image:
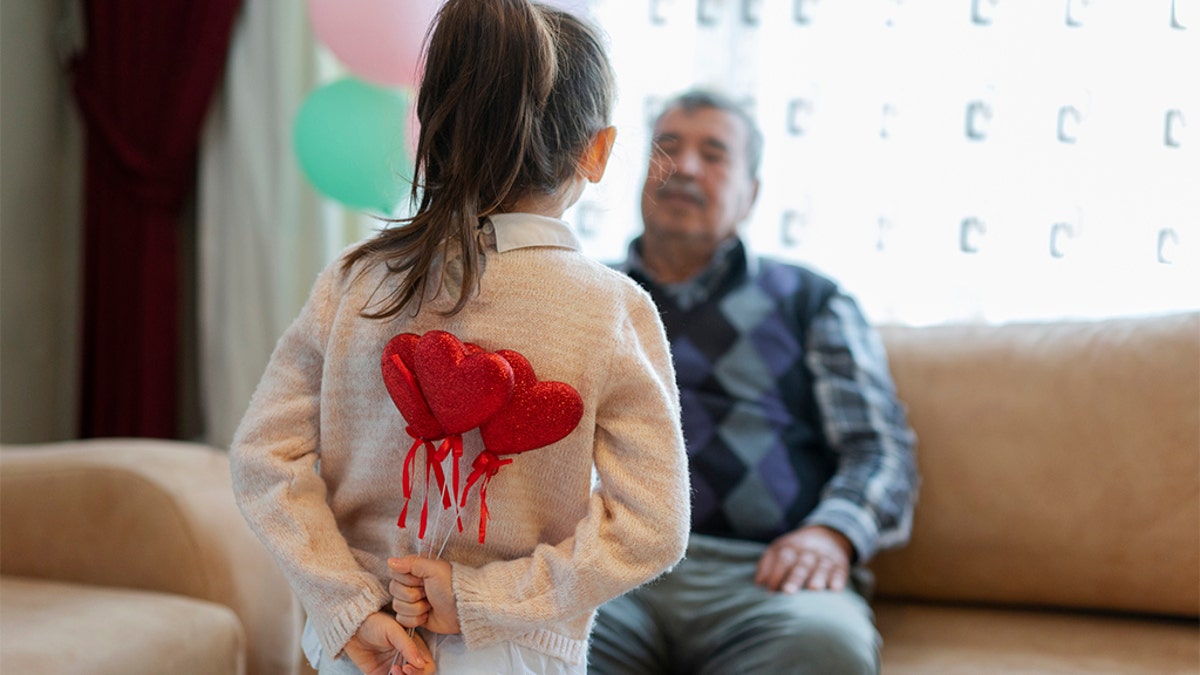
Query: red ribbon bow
x=485, y=466
x=409, y=460
x=424, y=431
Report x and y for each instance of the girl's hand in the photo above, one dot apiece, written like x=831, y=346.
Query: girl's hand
x=375, y=643
x=411, y=669
x=423, y=595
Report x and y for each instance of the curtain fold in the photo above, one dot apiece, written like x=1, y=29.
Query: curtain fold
x=143, y=82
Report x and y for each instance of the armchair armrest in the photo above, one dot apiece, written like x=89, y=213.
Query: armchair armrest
x=145, y=514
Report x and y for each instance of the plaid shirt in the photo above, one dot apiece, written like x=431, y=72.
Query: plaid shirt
x=871, y=488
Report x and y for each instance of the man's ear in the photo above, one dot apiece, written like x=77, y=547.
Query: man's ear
x=595, y=158
x=751, y=198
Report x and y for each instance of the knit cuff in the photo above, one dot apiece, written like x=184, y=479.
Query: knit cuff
x=852, y=521
x=474, y=614
x=477, y=620
x=335, y=629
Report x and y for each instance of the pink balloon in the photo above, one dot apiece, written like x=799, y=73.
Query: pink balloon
x=376, y=40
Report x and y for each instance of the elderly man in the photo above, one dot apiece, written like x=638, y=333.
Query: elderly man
x=801, y=457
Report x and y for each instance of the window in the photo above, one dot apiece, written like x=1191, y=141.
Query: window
x=983, y=160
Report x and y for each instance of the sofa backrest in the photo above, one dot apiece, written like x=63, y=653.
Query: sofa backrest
x=1060, y=464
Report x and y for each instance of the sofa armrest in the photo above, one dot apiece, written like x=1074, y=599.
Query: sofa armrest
x=145, y=514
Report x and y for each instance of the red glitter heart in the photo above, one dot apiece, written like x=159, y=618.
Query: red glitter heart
x=397, y=365
x=538, y=414
x=462, y=388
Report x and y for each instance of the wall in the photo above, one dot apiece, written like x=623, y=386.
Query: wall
x=39, y=232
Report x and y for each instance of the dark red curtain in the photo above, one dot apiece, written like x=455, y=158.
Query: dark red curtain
x=143, y=81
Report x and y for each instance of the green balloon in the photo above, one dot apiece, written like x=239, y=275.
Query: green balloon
x=350, y=141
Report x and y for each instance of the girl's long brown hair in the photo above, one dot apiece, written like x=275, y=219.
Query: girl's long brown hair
x=512, y=94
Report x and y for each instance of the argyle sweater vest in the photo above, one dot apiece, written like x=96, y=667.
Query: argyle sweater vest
x=757, y=454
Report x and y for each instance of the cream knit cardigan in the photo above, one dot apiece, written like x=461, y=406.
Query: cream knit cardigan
x=317, y=460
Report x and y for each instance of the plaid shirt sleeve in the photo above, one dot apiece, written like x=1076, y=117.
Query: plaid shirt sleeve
x=870, y=498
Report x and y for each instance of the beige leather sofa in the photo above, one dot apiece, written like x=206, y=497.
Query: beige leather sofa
x=130, y=556
x=1058, y=527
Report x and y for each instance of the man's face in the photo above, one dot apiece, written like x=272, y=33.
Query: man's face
x=698, y=185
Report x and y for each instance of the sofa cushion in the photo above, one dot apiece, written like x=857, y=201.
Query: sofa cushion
x=919, y=639
x=1060, y=464
x=151, y=514
x=56, y=627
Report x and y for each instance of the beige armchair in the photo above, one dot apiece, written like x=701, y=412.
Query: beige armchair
x=130, y=556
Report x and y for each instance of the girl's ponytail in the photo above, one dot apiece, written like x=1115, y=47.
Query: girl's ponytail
x=493, y=129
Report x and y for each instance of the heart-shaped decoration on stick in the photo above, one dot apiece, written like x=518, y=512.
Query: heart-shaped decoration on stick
x=402, y=386
x=462, y=388
x=397, y=365
x=538, y=414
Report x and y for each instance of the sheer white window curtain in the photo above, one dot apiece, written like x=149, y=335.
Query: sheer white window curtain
x=264, y=232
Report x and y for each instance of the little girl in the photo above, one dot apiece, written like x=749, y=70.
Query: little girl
x=514, y=108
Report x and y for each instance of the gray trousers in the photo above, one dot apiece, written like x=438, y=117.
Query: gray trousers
x=707, y=617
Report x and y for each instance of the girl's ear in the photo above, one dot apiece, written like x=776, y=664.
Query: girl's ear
x=595, y=157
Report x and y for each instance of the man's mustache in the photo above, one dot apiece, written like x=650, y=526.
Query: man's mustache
x=677, y=186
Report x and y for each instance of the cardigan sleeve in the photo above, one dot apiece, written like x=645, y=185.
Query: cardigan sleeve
x=283, y=498
x=638, y=515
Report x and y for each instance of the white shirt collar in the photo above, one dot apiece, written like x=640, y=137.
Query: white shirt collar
x=523, y=230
